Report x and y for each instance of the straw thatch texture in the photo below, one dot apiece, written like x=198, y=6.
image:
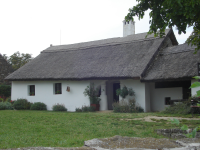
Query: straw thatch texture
x=177, y=62
x=127, y=59
x=104, y=42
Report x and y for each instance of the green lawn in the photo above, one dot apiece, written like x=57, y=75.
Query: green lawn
x=65, y=129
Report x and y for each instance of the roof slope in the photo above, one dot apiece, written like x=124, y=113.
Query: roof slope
x=177, y=62
x=124, y=57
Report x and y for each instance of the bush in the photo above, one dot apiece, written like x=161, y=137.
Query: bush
x=92, y=93
x=178, y=108
x=8, y=99
x=127, y=107
x=5, y=90
x=22, y=104
x=86, y=109
x=78, y=110
x=38, y=106
x=125, y=91
x=1, y=99
x=59, y=107
x=5, y=105
x=91, y=109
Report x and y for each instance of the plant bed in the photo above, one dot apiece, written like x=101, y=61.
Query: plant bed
x=96, y=106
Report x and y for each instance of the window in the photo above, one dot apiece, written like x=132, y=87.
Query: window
x=167, y=100
x=32, y=90
x=58, y=89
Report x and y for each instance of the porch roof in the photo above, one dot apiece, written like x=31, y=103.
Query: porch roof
x=176, y=62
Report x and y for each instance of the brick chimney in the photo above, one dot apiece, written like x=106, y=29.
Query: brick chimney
x=128, y=28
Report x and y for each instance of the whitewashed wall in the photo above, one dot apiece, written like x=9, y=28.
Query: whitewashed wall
x=194, y=90
x=44, y=93
x=138, y=88
x=158, y=96
x=147, y=97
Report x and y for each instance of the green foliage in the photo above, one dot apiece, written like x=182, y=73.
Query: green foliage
x=6, y=106
x=124, y=92
x=174, y=121
x=178, y=108
x=1, y=99
x=78, y=110
x=185, y=127
x=17, y=60
x=197, y=77
x=8, y=99
x=192, y=134
x=5, y=90
x=196, y=84
x=127, y=107
x=59, y=107
x=169, y=13
x=38, y=106
x=22, y=104
x=92, y=93
x=87, y=109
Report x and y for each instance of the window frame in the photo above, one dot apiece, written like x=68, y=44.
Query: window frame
x=57, y=88
x=167, y=100
x=31, y=90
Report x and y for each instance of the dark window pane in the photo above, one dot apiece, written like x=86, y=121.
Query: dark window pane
x=32, y=90
x=58, y=89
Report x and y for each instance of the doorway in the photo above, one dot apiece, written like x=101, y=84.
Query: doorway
x=115, y=87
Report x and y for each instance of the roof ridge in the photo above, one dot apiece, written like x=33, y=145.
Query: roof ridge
x=101, y=45
x=175, y=52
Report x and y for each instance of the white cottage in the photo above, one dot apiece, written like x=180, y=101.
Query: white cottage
x=157, y=69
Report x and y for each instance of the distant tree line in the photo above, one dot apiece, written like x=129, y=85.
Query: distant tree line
x=17, y=60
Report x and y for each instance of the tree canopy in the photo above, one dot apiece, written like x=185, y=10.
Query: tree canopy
x=169, y=13
x=17, y=60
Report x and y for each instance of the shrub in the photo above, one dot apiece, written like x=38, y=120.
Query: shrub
x=59, y=107
x=22, y=104
x=5, y=90
x=1, y=99
x=86, y=109
x=125, y=91
x=38, y=106
x=178, y=108
x=127, y=107
x=78, y=110
x=139, y=109
x=5, y=105
x=91, y=109
x=92, y=93
x=8, y=99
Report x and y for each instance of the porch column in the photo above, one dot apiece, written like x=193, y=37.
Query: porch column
x=121, y=86
x=103, y=102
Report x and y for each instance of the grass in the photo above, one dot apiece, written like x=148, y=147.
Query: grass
x=65, y=129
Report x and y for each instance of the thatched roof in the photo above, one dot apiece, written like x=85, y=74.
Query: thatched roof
x=176, y=62
x=125, y=57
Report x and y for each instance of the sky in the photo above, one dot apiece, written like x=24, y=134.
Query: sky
x=30, y=26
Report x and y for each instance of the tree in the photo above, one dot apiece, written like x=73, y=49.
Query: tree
x=17, y=60
x=169, y=13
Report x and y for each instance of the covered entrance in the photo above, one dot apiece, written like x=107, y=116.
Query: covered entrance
x=112, y=86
